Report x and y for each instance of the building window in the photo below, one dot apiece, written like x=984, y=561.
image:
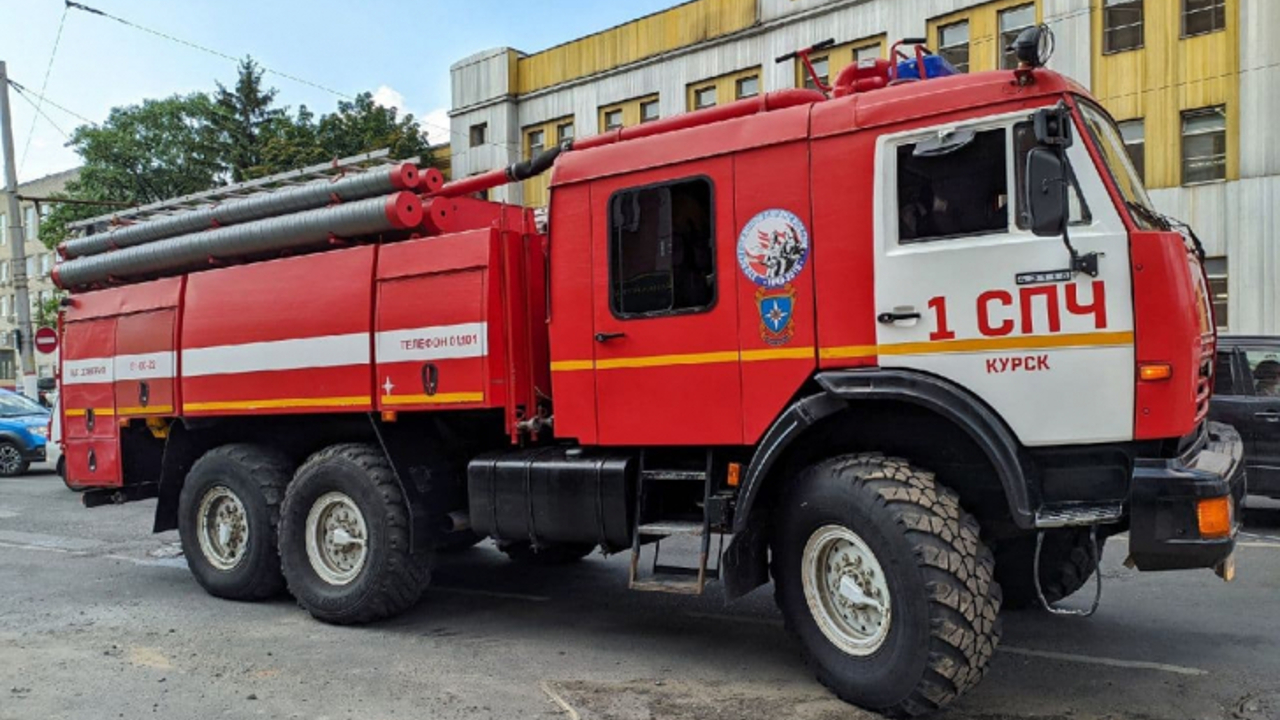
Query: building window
x=953, y=186
x=31, y=220
x=649, y=111
x=821, y=68
x=537, y=142
x=1012, y=22
x=46, y=263
x=1121, y=25
x=1134, y=134
x=870, y=52
x=1203, y=16
x=704, y=97
x=662, y=249
x=613, y=119
x=1204, y=145
x=4, y=271
x=479, y=134
x=31, y=266
x=4, y=306
x=747, y=87
x=953, y=44
x=564, y=132
x=4, y=229
x=1216, y=269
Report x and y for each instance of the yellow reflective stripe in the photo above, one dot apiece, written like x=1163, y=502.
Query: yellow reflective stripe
x=791, y=353
x=565, y=365
x=81, y=412
x=668, y=360
x=847, y=351
x=275, y=403
x=439, y=398
x=1034, y=342
x=151, y=410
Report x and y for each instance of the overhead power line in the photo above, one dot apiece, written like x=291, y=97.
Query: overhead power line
x=43, y=86
x=23, y=89
x=39, y=111
x=272, y=71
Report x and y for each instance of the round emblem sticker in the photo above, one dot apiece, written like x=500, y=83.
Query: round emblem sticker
x=772, y=248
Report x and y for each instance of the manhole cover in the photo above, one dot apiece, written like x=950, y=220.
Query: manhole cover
x=1259, y=706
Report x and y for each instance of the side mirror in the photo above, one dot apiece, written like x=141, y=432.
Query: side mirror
x=1046, y=192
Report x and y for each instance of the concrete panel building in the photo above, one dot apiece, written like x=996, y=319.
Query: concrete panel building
x=1193, y=84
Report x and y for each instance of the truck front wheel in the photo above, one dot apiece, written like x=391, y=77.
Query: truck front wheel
x=881, y=576
x=227, y=517
x=344, y=538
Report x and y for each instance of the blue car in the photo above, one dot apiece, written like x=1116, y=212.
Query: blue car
x=24, y=430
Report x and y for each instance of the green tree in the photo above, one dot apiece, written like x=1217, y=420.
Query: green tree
x=141, y=154
x=358, y=126
x=47, y=310
x=244, y=118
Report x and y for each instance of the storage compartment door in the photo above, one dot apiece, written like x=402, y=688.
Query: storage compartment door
x=144, y=364
x=88, y=401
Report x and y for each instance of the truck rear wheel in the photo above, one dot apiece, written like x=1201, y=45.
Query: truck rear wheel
x=1066, y=564
x=881, y=576
x=228, y=512
x=344, y=538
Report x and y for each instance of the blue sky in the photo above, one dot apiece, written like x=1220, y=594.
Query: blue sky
x=400, y=50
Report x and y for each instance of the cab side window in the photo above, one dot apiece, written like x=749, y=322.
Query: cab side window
x=953, y=185
x=1024, y=140
x=662, y=249
x=1264, y=366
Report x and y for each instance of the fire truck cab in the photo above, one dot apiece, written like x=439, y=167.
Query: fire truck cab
x=918, y=347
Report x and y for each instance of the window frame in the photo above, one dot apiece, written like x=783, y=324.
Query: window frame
x=611, y=251
x=1247, y=379
x=1003, y=124
x=1185, y=115
x=483, y=129
x=877, y=46
x=1212, y=276
x=806, y=81
x=737, y=87
x=656, y=107
x=610, y=112
x=697, y=92
x=529, y=145
x=1142, y=24
x=968, y=43
x=1002, y=54
x=1183, y=13
x=561, y=135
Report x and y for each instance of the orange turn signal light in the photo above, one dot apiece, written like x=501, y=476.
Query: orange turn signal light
x=1155, y=371
x=1214, y=516
x=388, y=416
x=735, y=474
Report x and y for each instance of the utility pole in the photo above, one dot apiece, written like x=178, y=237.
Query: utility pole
x=17, y=242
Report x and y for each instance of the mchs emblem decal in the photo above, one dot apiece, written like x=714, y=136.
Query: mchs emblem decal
x=772, y=248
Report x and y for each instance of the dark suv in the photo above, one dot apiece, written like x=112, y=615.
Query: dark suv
x=1246, y=394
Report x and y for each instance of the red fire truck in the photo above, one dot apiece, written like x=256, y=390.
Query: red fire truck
x=918, y=342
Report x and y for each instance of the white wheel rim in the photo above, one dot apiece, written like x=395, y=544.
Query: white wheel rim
x=223, y=528
x=846, y=589
x=337, y=538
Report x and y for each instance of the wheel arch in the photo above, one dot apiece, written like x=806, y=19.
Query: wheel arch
x=920, y=416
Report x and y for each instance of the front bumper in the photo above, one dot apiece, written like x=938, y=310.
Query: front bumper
x=34, y=454
x=1164, y=530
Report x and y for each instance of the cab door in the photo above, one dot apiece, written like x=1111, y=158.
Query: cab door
x=666, y=356
x=965, y=291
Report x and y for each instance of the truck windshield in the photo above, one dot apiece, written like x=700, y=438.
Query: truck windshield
x=1106, y=137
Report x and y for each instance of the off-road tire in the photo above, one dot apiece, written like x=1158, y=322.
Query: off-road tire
x=546, y=555
x=393, y=577
x=257, y=475
x=1066, y=564
x=944, y=602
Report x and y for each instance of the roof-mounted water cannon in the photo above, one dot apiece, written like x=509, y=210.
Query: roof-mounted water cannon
x=803, y=56
x=1033, y=47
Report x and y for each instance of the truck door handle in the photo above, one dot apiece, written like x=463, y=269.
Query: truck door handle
x=889, y=318
x=430, y=378
x=144, y=393
x=607, y=336
x=1269, y=415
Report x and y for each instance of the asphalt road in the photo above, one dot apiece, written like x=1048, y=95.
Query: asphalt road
x=100, y=619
